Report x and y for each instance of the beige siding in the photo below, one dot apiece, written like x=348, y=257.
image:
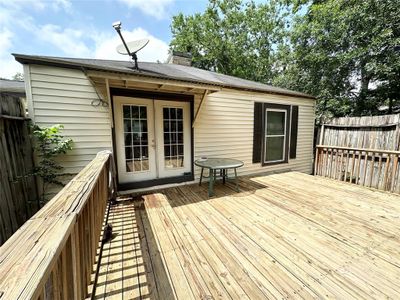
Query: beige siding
x=225, y=128
x=64, y=96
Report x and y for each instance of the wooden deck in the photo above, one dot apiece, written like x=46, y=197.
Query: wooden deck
x=288, y=235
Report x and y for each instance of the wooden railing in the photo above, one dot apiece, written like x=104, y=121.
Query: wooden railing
x=52, y=255
x=367, y=167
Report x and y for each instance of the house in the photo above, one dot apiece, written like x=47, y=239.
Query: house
x=159, y=119
x=287, y=235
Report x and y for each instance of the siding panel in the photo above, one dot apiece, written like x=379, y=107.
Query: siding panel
x=64, y=96
x=225, y=128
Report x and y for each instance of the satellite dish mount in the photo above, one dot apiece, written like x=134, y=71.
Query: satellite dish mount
x=130, y=48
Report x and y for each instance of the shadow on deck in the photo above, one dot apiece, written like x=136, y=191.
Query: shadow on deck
x=126, y=267
x=129, y=259
x=277, y=238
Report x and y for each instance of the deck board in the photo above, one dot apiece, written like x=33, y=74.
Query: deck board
x=286, y=235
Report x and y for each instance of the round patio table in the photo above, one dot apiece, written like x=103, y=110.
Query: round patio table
x=215, y=164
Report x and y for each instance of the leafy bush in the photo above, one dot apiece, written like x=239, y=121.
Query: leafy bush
x=49, y=144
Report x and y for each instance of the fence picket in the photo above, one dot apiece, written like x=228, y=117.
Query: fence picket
x=362, y=165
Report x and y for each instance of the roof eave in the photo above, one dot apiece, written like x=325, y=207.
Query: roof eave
x=27, y=59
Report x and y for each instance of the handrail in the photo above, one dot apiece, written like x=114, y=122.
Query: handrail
x=52, y=255
x=367, y=167
x=359, y=125
x=360, y=149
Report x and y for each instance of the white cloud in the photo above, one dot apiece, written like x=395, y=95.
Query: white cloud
x=69, y=41
x=37, y=5
x=155, y=8
x=155, y=50
x=8, y=65
x=5, y=40
x=13, y=17
x=62, y=5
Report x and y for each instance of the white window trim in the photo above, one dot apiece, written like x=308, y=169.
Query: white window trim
x=279, y=135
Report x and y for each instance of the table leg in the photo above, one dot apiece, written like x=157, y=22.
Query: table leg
x=211, y=183
x=201, y=175
x=223, y=175
x=236, y=181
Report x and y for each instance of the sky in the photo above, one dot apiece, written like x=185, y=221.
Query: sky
x=69, y=28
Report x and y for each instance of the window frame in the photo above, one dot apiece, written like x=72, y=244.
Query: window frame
x=276, y=107
x=176, y=143
x=266, y=136
x=140, y=146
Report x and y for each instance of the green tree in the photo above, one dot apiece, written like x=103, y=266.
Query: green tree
x=345, y=52
x=232, y=37
x=18, y=76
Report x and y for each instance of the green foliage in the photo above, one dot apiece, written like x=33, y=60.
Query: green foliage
x=49, y=144
x=232, y=38
x=344, y=52
x=18, y=76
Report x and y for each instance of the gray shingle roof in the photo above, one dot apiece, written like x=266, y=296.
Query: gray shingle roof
x=12, y=86
x=161, y=71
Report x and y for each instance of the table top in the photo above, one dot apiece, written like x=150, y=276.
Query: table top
x=219, y=163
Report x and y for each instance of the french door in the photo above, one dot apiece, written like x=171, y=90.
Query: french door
x=153, y=138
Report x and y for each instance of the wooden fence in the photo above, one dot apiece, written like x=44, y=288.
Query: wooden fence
x=376, y=132
x=18, y=193
x=361, y=150
x=367, y=167
x=52, y=255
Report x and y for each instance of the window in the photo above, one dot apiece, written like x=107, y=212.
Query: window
x=275, y=135
x=173, y=137
x=135, y=138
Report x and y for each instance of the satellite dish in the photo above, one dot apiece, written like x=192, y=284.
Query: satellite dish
x=133, y=46
x=129, y=48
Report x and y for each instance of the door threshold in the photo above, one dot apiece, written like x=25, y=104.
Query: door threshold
x=156, y=187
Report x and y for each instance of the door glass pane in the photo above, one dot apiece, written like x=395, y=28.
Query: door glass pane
x=127, y=125
x=173, y=137
x=128, y=139
x=143, y=139
x=143, y=112
x=170, y=162
x=274, y=148
x=275, y=123
x=135, y=112
x=127, y=112
x=135, y=138
x=129, y=165
x=128, y=153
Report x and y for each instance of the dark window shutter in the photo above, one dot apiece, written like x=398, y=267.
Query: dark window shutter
x=257, y=132
x=293, y=131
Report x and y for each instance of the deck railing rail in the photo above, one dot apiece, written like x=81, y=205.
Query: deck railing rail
x=52, y=255
x=367, y=167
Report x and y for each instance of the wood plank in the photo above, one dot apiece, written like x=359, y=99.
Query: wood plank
x=286, y=235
